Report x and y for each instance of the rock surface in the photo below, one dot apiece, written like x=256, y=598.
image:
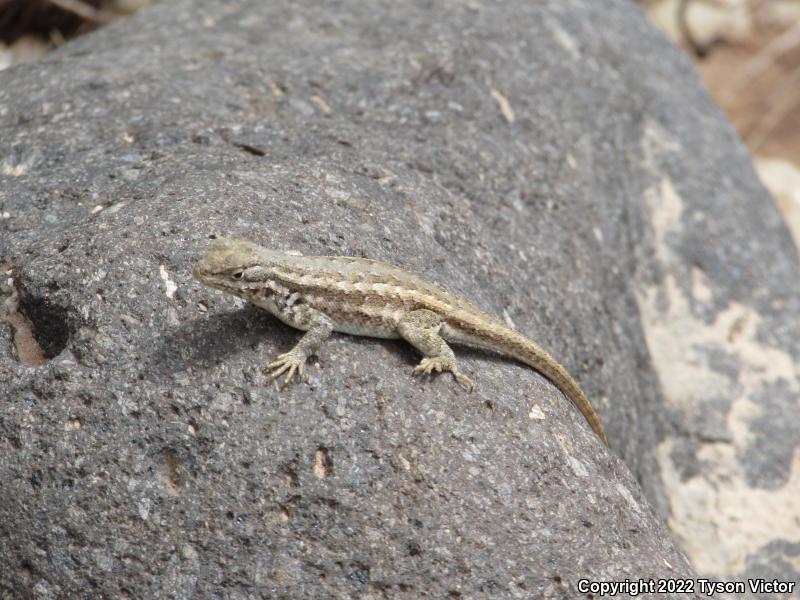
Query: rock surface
x=562, y=168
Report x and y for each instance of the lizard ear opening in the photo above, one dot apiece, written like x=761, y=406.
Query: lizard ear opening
x=238, y=274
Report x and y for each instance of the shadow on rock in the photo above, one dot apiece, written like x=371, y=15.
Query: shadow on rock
x=203, y=343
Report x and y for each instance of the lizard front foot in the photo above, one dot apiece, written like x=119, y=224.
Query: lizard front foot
x=293, y=362
x=442, y=363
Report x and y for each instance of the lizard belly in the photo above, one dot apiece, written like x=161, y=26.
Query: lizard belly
x=365, y=325
x=385, y=331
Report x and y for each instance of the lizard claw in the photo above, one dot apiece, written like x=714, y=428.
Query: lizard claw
x=461, y=378
x=427, y=365
x=440, y=363
x=289, y=363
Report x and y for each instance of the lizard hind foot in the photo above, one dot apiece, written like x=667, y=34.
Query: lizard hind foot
x=289, y=361
x=441, y=363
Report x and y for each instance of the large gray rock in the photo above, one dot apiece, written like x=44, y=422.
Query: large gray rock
x=558, y=164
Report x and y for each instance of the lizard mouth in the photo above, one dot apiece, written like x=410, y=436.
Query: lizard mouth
x=243, y=289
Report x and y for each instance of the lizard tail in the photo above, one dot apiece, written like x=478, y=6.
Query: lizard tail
x=538, y=358
x=510, y=343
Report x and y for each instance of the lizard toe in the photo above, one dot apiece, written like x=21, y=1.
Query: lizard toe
x=461, y=378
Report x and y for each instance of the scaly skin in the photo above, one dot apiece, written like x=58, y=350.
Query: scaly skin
x=359, y=296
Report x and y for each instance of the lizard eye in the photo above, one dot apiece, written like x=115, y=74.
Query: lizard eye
x=238, y=274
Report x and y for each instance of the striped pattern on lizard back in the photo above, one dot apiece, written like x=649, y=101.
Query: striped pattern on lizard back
x=361, y=296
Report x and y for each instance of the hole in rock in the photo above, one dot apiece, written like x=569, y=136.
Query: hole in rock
x=40, y=329
x=49, y=324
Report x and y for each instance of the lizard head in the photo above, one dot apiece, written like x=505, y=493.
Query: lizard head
x=234, y=266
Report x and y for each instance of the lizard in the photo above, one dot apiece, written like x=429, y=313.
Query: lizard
x=361, y=296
